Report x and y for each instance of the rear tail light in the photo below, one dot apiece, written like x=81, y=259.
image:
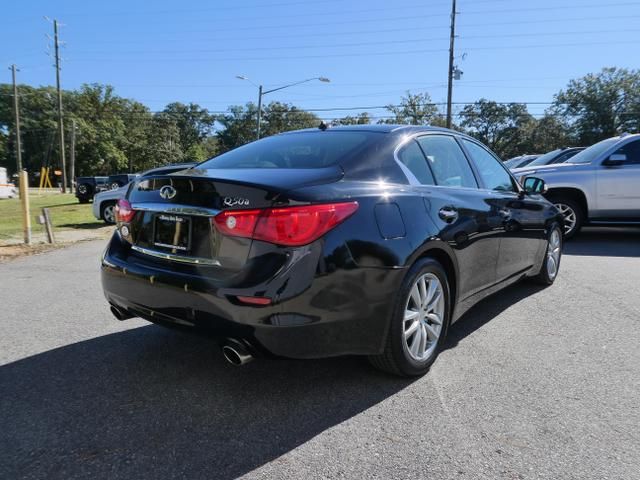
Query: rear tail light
x=289, y=226
x=124, y=211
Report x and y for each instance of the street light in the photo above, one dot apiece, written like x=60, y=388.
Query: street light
x=262, y=92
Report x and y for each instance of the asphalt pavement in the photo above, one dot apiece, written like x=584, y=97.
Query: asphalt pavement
x=535, y=384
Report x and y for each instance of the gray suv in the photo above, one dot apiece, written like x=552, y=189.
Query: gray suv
x=600, y=185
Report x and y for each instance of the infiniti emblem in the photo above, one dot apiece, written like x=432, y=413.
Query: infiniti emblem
x=168, y=192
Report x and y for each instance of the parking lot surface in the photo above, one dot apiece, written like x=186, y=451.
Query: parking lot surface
x=535, y=383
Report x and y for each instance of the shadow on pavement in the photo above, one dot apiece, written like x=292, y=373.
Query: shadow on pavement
x=606, y=242
x=488, y=309
x=153, y=403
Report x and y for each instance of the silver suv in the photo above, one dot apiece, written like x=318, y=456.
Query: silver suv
x=600, y=185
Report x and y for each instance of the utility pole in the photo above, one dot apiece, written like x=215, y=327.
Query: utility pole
x=73, y=154
x=259, y=110
x=451, y=54
x=16, y=112
x=60, y=124
x=23, y=178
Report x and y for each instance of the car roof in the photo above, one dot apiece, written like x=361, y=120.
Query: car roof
x=382, y=128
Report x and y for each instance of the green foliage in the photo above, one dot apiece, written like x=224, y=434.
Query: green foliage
x=601, y=105
x=116, y=134
x=194, y=123
x=414, y=109
x=240, y=123
x=360, y=119
x=501, y=127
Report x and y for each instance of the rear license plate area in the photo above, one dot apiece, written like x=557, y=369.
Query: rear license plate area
x=172, y=232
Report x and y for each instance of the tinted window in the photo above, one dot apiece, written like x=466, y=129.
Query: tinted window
x=448, y=164
x=588, y=155
x=632, y=151
x=297, y=150
x=412, y=157
x=493, y=174
x=545, y=159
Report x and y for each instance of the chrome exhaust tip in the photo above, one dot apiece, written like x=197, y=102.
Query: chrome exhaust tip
x=236, y=353
x=120, y=314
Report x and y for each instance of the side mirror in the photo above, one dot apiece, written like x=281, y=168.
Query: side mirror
x=534, y=185
x=615, y=160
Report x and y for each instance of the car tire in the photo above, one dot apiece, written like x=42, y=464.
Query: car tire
x=108, y=212
x=573, y=213
x=552, y=257
x=414, y=318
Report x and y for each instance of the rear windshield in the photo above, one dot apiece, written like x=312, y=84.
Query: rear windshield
x=297, y=150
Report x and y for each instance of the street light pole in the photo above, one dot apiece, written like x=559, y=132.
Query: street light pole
x=262, y=92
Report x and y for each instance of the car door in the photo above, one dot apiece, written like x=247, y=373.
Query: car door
x=618, y=185
x=456, y=206
x=521, y=217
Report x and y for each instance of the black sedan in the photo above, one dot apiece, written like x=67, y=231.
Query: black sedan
x=367, y=240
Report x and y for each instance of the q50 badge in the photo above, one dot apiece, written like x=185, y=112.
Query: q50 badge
x=235, y=201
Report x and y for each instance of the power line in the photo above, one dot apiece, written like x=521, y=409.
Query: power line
x=361, y=54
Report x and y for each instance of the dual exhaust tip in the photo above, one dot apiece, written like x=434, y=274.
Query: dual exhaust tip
x=234, y=351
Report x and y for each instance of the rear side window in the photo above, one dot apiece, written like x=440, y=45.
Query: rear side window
x=298, y=150
x=493, y=174
x=632, y=151
x=412, y=157
x=447, y=161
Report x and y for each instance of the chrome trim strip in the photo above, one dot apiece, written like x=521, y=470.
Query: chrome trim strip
x=176, y=258
x=176, y=209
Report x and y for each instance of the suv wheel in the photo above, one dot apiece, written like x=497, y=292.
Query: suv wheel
x=573, y=215
x=419, y=322
x=108, y=212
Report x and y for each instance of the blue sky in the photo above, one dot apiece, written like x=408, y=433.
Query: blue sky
x=373, y=51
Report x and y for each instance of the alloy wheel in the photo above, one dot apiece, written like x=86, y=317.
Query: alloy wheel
x=553, y=253
x=109, y=214
x=570, y=218
x=423, y=317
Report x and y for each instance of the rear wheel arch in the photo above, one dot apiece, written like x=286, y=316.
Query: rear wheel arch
x=448, y=263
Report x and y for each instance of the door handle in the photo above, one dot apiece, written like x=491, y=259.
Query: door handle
x=448, y=214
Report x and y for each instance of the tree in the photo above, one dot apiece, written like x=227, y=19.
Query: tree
x=501, y=127
x=548, y=133
x=282, y=117
x=239, y=123
x=194, y=123
x=360, y=119
x=601, y=105
x=238, y=126
x=414, y=109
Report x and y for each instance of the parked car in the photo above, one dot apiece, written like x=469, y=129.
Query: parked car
x=7, y=189
x=559, y=155
x=520, y=161
x=104, y=203
x=86, y=187
x=120, y=180
x=365, y=240
x=599, y=185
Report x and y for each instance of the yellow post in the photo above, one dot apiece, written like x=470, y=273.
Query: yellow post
x=26, y=217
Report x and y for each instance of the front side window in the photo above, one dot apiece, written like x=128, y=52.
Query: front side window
x=447, y=161
x=493, y=174
x=632, y=151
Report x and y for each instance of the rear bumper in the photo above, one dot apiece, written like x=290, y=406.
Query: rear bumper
x=315, y=313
